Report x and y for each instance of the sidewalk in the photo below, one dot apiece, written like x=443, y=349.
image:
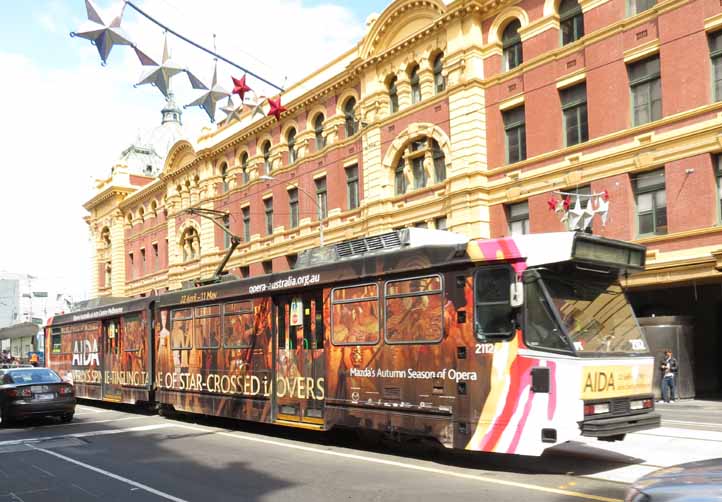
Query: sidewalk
x=691, y=430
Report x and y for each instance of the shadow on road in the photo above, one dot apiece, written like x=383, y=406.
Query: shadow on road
x=571, y=458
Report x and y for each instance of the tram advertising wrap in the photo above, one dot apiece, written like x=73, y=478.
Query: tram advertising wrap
x=504, y=345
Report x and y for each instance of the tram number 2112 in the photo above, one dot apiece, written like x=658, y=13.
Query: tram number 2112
x=484, y=348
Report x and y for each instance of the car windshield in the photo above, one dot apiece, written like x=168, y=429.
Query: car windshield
x=33, y=376
x=595, y=315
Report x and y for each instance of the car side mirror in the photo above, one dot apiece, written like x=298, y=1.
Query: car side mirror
x=516, y=294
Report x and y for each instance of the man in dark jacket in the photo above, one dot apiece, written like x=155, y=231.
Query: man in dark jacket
x=669, y=370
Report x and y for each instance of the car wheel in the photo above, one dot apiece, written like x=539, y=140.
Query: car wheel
x=68, y=417
x=4, y=419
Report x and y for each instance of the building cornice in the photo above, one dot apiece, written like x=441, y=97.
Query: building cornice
x=106, y=194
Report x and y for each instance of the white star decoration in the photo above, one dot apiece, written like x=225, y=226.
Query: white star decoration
x=578, y=218
x=208, y=100
x=160, y=75
x=105, y=35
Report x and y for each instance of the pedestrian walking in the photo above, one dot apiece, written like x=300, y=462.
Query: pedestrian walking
x=669, y=368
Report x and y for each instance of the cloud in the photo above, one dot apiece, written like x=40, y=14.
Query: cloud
x=62, y=128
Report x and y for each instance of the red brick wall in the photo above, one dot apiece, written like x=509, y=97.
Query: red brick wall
x=437, y=113
x=691, y=197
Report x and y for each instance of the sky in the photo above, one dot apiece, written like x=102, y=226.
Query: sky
x=66, y=118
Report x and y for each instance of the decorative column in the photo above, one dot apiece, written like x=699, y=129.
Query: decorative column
x=403, y=86
x=426, y=78
x=117, y=255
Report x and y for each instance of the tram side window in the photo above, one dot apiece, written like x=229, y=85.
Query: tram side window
x=113, y=337
x=355, y=315
x=494, y=313
x=69, y=336
x=207, y=327
x=181, y=329
x=318, y=326
x=414, y=310
x=541, y=330
x=133, y=335
x=238, y=325
x=55, y=339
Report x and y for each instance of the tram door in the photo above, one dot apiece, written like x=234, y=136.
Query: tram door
x=112, y=390
x=300, y=385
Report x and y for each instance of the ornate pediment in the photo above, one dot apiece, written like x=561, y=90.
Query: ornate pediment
x=180, y=154
x=399, y=21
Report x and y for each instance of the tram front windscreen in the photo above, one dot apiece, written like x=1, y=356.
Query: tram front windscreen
x=582, y=313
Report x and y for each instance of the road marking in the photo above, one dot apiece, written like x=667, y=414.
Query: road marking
x=86, y=491
x=50, y=474
x=77, y=435
x=85, y=411
x=707, y=424
x=111, y=475
x=86, y=423
x=421, y=468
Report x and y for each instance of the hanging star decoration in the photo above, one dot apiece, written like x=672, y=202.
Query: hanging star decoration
x=240, y=87
x=209, y=100
x=276, y=108
x=602, y=206
x=106, y=35
x=160, y=75
x=258, y=106
x=231, y=111
x=579, y=217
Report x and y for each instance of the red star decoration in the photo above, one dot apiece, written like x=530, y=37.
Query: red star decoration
x=567, y=203
x=552, y=203
x=276, y=108
x=605, y=196
x=240, y=87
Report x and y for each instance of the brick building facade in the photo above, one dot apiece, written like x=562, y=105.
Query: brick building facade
x=467, y=116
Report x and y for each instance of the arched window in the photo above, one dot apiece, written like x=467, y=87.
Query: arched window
x=141, y=214
x=349, y=112
x=393, y=95
x=437, y=155
x=190, y=244
x=129, y=219
x=399, y=177
x=439, y=80
x=224, y=176
x=154, y=209
x=292, y=153
x=511, y=42
x=415, y=85
x=266, y=149
x=244, y=167
x=420, y=154
x=571, y=21
x=318, y=131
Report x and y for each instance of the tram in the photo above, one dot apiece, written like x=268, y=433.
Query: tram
x=506, y=345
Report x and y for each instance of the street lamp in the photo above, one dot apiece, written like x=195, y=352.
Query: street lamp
x=266, y=177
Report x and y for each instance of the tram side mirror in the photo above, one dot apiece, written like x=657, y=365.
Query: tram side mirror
x=516, y=294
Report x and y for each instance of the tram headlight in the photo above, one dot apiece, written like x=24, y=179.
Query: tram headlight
x=596, y=409
x=641, y=404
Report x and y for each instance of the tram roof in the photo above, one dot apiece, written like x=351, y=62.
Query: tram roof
x=401, y=251
x=121, y=307
x=556, y=247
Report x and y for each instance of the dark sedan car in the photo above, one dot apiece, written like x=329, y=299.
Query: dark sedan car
x=31, y=392
x=692, y=482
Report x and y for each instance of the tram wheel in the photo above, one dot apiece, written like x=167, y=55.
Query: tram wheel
x=166, y=411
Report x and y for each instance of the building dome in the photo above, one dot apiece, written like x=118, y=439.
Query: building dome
x=146, y=155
